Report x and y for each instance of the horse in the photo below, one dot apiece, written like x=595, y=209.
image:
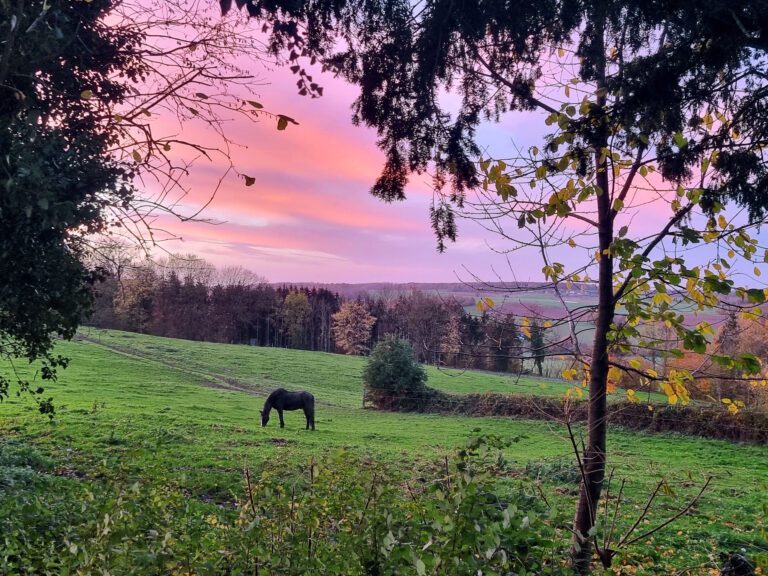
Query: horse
x=281, y=400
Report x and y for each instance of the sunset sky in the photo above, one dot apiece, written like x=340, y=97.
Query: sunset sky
x=309, y=216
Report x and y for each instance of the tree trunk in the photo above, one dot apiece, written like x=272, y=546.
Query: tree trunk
x=594, y=456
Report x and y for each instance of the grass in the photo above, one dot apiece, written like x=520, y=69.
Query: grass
x=171, y=410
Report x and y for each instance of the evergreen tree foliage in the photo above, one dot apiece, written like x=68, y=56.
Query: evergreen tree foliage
x=59, y=67
x=537, y=344
x=394, y=376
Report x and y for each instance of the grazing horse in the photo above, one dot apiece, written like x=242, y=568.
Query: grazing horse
x=281, y=400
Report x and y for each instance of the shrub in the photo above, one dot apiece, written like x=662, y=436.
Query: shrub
x=340, y=514
x=393, y=379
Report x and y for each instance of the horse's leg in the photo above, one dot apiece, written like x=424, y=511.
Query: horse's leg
x=282, y=422
x=311, y=417
x=308, y=416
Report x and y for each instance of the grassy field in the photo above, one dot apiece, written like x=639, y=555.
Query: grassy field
x=175, y=411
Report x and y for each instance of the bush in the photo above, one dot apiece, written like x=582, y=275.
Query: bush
x=393, y=379
x=339, y=514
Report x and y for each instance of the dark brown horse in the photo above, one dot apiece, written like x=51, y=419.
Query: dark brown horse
x=281, y=400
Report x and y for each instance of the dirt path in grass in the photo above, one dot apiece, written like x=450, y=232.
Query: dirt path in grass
x=206, y=378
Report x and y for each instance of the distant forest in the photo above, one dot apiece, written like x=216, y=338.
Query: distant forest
x=190, y=299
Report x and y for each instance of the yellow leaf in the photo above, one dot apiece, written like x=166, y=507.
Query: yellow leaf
x=560, y=52
x=635, y=363
x=86, y=94
x=722, y=222
x=136, y=156
x=571, y=243
x=662, y=297
x=631, y=396
x=569, y=374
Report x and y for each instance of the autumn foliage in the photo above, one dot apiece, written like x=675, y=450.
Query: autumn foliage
x=352, y=326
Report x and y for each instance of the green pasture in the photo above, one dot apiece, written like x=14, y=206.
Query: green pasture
x=170, y=411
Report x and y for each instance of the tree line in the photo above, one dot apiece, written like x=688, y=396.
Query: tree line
x=186, y=297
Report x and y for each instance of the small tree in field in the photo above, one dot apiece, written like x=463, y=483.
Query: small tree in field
x=352, y=326
x=393, y=377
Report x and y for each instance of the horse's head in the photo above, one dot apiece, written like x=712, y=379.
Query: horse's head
x=264, y=418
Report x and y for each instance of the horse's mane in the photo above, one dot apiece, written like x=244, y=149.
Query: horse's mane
x=273, y=395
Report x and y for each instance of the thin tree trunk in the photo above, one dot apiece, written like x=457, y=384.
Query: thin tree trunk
x=594, y=457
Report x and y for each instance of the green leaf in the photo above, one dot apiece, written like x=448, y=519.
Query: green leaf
x=756, y=295
x=750, y=363
x=680, y=140
x=421, y=569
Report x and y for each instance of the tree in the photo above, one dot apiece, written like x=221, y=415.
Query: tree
x=450, y=343
x=295, y=314
x=649, y=105
x=537, y=344
x=135, y=300
x=352, y=326
x=393, y=376
x=503, y=342
x=421, y=318
x=55, y=172
x=80, y=87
